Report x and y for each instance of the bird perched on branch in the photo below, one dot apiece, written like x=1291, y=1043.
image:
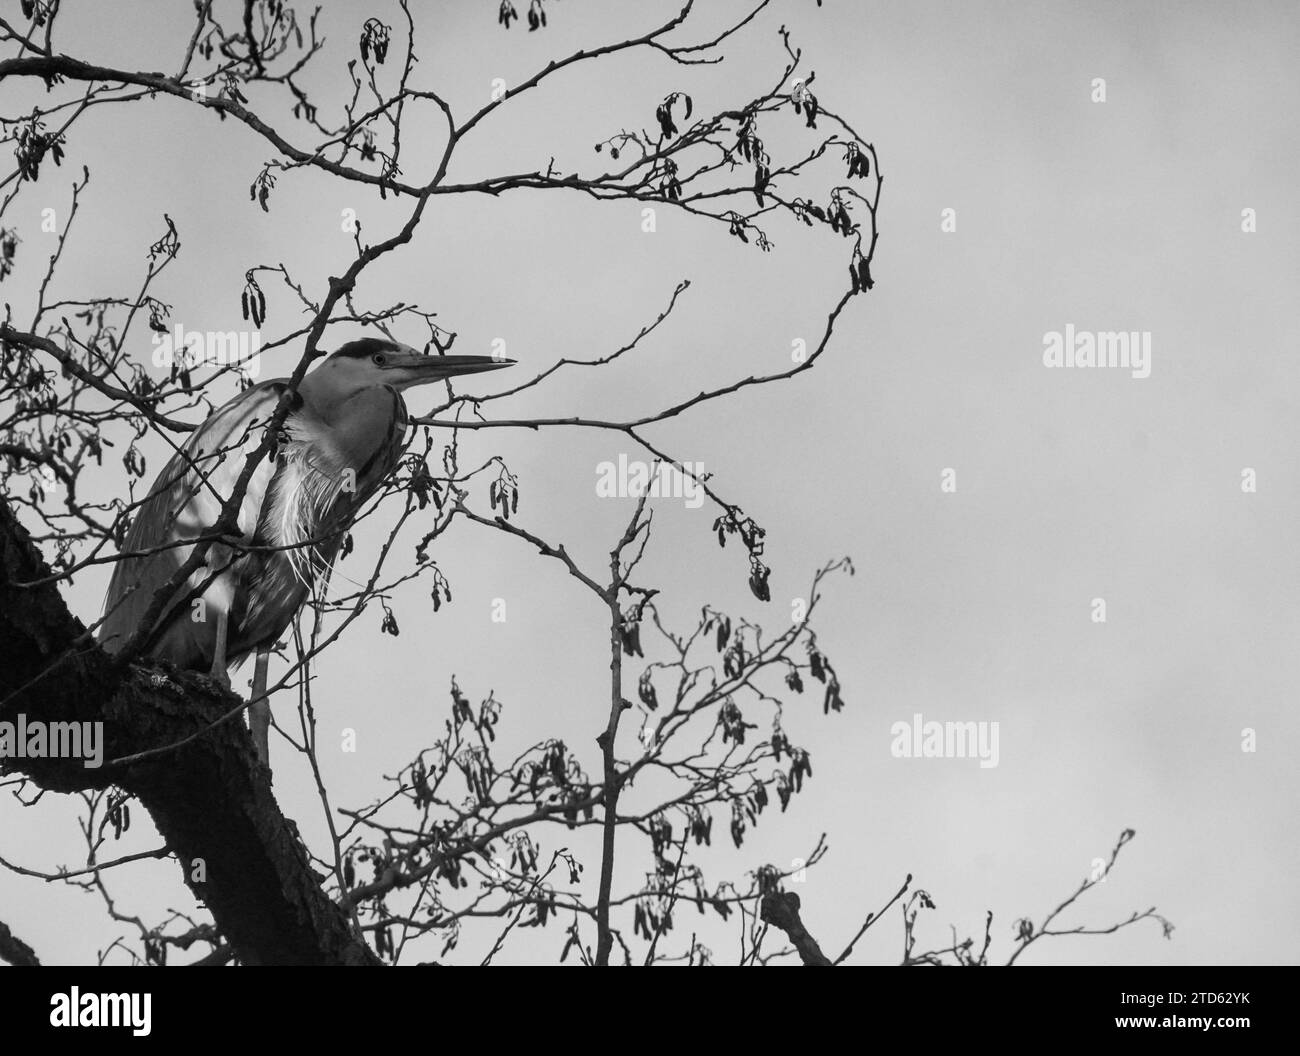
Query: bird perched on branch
x=341, y=439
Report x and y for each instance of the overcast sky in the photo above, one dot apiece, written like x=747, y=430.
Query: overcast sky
x=975, y=605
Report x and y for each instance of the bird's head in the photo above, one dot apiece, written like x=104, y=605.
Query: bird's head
x=376, y=361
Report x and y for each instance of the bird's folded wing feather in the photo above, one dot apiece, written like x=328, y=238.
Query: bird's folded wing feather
x=184, y=501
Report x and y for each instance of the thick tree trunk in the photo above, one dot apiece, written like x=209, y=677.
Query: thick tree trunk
x=211, y=800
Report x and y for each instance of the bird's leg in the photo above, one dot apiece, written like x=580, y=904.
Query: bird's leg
x=259, y=711
x=219, y=672
x=217, y=600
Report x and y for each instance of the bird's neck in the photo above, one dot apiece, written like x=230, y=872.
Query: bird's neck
x=336, y=408
x=357, y=425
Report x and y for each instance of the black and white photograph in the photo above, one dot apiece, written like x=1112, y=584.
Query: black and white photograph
x=675, y=482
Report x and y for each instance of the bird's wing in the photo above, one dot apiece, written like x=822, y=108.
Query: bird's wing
x=184, y=500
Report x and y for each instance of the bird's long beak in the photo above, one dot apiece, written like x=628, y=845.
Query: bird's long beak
x=415, y=368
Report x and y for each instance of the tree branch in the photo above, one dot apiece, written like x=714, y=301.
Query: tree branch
x=781, y=910
x=15, y=951
x=211, y=801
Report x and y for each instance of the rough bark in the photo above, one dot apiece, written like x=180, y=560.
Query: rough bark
x=211, y=800
x=781, y=910
x=15, y=951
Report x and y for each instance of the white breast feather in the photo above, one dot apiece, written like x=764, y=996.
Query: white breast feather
x=304, y=492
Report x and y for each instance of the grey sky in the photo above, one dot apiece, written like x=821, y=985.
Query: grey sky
x=1071, y=485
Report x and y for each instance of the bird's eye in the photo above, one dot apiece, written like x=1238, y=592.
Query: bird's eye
x=379, y=359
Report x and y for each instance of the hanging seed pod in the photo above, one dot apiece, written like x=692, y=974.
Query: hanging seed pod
x=646, y=691
x=816, y=665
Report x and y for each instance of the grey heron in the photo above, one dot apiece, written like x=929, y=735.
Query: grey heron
x=343, y=436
